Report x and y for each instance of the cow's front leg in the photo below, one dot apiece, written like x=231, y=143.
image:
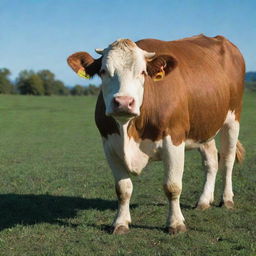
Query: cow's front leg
x=123, y=186
x=173, y=157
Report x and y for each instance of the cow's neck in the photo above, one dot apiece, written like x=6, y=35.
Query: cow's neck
x=148, y=124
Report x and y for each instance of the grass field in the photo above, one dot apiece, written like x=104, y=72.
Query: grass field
x=57, y=194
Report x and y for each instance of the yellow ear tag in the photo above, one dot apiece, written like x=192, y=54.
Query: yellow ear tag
x=81, y=72
x=159, y=76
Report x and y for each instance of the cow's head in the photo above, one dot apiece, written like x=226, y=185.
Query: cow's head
x=123, y=68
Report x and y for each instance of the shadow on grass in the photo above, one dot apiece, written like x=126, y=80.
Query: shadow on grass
x=109, y=229
x=31, y=209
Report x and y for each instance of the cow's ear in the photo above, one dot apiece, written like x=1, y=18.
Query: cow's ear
x=84, y=64
x=160, y=66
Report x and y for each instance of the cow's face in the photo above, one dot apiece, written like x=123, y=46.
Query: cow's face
x=122, y=68
x=123, y=71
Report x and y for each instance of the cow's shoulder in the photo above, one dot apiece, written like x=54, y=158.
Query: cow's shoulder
x=164, y=111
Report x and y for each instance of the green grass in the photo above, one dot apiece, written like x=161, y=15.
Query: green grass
x=57, y=194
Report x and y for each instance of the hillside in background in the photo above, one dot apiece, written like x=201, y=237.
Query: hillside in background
x=250, y=76
x=250, y=80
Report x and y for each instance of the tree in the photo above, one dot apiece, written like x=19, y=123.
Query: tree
x=6, y=85
x=77, y=90
x=48, y=79
x=59, y=88
x=42, y=82
x=91, y=90
x=30, y=83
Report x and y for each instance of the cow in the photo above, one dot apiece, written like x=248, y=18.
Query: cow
x=159, y=98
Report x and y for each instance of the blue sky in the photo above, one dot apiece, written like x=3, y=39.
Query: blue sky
x=41, y=34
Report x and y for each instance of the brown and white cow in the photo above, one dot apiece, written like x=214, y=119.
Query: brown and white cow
x=159, y=98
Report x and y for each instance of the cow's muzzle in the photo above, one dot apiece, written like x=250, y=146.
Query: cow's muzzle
x=124, y=106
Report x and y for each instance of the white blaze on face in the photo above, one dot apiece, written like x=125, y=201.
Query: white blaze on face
x=122, y=73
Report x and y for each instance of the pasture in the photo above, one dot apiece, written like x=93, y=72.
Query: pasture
x=57, y=193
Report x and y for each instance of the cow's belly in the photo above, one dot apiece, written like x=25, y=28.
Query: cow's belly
x=135, y=155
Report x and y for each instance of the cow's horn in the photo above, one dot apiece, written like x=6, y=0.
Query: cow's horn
x=99, y=51
x=149, y=55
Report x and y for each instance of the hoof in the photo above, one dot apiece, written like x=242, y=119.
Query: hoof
x=121, y=230
x=228, y=204
x=203, y=207
x=177, y=229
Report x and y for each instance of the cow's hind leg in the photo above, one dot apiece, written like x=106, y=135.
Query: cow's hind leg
x=209, y=155
x=229, y=140
x=173, y=157
x=124, y=187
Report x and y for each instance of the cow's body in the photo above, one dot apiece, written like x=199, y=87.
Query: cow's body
x=200, y=96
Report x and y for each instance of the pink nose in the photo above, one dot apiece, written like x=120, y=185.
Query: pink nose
x=124, y=104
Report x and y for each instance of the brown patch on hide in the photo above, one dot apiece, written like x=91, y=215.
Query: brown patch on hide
x=193, y=99
x=106, y=124
x=162, y=114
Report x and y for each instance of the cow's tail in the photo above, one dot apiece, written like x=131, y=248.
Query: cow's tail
x=240, y=152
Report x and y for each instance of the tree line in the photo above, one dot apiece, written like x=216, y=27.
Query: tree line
x=42, y=82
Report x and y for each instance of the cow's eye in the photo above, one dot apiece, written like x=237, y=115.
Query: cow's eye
x=102, y=72
x=143, y=73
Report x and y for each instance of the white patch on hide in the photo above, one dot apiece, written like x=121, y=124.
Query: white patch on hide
x=230, y=118
x=229, y=138
x=134, y=154
x=191, y=144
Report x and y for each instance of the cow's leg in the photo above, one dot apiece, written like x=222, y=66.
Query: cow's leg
x=209, y=155
x=229, y=139
x=124, y=188
x=173, y=157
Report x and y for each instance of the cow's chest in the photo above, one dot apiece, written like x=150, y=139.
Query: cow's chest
x=135, y=155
